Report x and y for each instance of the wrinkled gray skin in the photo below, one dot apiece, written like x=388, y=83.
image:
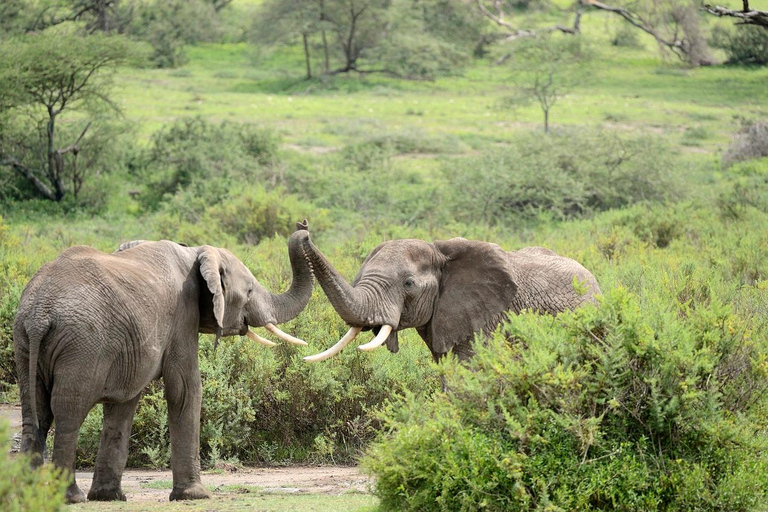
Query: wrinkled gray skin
x=95, y=327
x=449, y=290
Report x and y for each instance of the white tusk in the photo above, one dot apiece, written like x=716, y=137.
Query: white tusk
x=284, y=335
x=255, y=337
x=378, y=340
x=343, y=342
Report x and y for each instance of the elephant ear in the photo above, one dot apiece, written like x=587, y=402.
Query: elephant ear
x=476, y=289
x=212, y=270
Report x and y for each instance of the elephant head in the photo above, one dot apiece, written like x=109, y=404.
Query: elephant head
x=231, y=299
x=448, y=290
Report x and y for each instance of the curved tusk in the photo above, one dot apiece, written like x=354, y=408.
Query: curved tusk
x=343, y=342
x=378, y=340
x=284, y=335
x=255, y=337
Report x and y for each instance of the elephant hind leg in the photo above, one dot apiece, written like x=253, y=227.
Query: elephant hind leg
x=69, y=410
x=113, y=451
x=33, y=438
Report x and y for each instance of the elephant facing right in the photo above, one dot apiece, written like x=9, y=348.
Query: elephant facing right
x=447, y=290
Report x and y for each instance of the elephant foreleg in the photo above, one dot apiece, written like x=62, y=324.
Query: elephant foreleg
x=184, y=392
x=113, y=451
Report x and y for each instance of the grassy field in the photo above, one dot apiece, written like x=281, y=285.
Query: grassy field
x=631, y=93
x=628, y=89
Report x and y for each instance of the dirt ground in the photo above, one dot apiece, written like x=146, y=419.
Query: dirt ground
x=154, y=486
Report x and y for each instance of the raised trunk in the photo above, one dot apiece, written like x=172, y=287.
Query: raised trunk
x=288, y=305
x=348, y=301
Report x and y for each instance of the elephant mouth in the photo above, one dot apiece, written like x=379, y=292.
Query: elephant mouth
x=245, y=330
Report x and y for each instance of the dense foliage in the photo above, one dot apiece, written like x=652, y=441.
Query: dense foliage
x=655, y=400
x=744, y=45
x=567, y=175
x=22, y=488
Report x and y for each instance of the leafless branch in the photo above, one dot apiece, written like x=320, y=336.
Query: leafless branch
x=74, y=147
x=498, y=17
x=746, y=16
x=676, y=43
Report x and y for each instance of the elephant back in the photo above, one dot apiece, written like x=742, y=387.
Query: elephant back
x=550, y=283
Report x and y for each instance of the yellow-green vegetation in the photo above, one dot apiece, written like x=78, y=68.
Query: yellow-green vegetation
x=21, y=487
x=655, y=400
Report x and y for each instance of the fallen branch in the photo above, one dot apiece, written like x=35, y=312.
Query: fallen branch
x=27, y=173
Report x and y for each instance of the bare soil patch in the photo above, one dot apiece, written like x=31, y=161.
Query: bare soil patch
x=144, y=485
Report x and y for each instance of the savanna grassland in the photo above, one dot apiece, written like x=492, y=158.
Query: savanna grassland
x=655, y=400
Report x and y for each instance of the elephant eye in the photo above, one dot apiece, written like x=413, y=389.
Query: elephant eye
x=409, y=282
x=250, y=290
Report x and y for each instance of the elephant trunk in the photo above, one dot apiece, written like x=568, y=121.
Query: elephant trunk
x=288, y=305
x=348, y=301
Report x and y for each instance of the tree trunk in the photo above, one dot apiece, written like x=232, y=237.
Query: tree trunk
x=306, y=55
x=546, y=120
x=53, y=174
x=327, y=58
x=103, y=21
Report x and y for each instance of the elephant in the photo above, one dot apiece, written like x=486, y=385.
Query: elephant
x=95, y=328
x=447, y=290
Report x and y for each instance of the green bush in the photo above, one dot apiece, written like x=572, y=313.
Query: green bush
x=206, y=160
x=626, y=36
x=421, y=56
x=750, y=143
x=560, y=176
x=415, y=141
x=744, y=45
x=23, y=488
x=254, y=213
x=746, y=188
x=356, y=183
x=638, y=404
x=169, y=25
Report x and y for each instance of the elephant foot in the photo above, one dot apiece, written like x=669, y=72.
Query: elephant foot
x=33, y=446
x=74, y=494
x=106, y=494
x=195, y=491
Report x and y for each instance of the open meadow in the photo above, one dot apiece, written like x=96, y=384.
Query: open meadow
x=653, y=399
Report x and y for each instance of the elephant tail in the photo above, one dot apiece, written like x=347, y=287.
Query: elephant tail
x=34, y=340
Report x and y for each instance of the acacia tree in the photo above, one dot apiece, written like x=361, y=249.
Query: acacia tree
x=41, y=77
x=97, y=15
x=406, y=38
x=546, y=68
x=280, y=21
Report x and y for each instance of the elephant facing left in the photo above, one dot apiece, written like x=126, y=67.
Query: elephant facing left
x=97, y=328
